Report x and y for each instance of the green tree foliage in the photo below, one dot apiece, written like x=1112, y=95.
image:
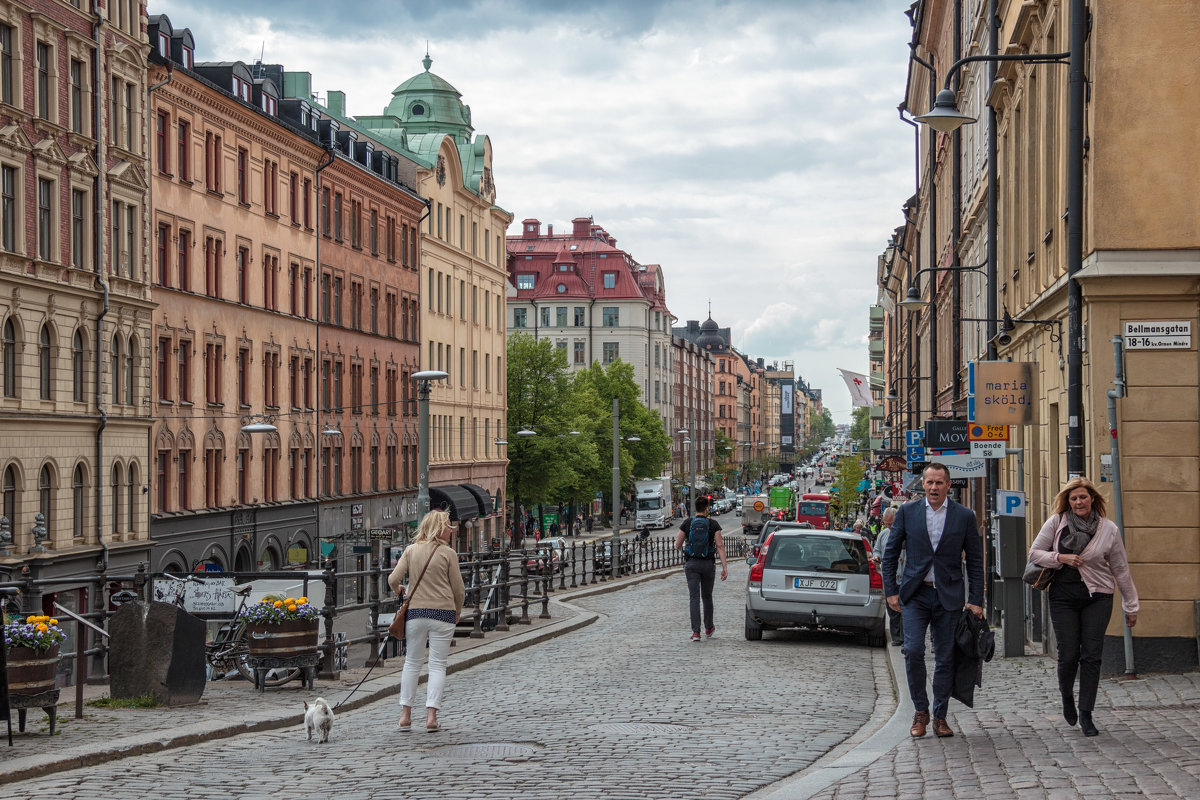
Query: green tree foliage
x=723, y=465
x=846, y=480
x=860, y=428
x=542, y=398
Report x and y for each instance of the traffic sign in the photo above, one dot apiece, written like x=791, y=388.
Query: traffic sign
x=987, y=449
x=913, y=438
x=988, y=433
x=914, y=453
x=1010, y=504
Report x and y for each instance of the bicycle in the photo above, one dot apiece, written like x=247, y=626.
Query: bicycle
x=226, y=654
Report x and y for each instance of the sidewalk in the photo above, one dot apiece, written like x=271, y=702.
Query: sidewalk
x=1015, y=744
x=229, y=708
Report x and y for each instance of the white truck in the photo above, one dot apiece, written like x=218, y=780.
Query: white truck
x=654, y=503
x=756, y=509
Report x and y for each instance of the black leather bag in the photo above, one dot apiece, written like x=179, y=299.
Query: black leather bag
x=1037, y=576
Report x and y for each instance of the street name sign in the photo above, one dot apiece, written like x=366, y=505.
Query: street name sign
x=1152, y=335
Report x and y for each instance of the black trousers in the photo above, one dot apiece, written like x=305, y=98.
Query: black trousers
x=700, y=574
x=1079, y=618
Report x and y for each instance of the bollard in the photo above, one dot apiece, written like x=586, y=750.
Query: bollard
x=604, y=573
x=562, y=574
x=583, y=565
x=477, y=628
x=140, y=583
x=377, y=568
x=328, y=612
x=524, y=620
x=573, y=584
x=548, y=580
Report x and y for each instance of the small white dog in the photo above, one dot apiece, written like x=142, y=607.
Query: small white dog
x=318, y=717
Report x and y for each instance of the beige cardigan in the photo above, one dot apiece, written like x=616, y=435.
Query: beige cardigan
x=442, y=586
x=1104, y=560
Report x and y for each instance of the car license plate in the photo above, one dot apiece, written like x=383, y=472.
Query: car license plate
x=828, y=584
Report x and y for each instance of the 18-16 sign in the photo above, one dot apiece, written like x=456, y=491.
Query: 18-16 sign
x=987, y=441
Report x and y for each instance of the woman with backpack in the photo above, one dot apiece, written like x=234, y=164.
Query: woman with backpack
x=700, y=544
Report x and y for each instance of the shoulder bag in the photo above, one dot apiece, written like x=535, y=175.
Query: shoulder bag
x=1037, y=576
x=396, y=629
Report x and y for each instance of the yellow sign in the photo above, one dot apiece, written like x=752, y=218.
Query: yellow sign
x=987, y=433
x=759, y=505
x=1005, y=393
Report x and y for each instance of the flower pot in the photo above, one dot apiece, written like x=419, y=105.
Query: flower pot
x=30, y=671
x=282, y=640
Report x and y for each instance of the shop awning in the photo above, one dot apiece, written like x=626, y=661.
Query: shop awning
x=481, y=496
x=452, y=497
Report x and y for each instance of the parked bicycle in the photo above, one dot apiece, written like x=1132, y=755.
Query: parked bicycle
x=226, y=654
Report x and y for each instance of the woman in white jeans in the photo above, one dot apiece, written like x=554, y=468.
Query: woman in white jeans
x=435, y=602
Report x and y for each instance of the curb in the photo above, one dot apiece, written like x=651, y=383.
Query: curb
x=389, y=685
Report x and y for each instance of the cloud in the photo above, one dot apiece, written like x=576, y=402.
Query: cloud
x=750, y=147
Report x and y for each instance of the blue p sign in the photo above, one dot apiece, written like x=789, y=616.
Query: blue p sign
x=1010, y=504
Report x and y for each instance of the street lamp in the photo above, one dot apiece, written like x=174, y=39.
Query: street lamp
x=424, y=378
x=687, y=434
x=259, y=423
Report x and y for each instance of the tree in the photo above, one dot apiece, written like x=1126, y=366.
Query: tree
x=723, y=457
x=860, y=428
x=846, y=480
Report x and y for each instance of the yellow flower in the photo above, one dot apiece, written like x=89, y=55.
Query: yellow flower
x=265, y=600
x=303, y=600
x=53, y=622
x=31, y=619
x=42, y=627
x=278, y=604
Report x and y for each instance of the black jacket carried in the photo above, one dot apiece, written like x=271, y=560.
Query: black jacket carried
x=974, y=643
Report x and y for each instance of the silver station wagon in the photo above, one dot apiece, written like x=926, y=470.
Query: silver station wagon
x=816, y=580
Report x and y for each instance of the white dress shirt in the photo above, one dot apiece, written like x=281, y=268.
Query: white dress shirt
x=935, y=522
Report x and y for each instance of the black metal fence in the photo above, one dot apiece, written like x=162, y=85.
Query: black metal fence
x=501, y=589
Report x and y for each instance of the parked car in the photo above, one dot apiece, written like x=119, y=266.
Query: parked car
x=602, y=560
x=550, y=555
x=772, y=525
x=814, y=580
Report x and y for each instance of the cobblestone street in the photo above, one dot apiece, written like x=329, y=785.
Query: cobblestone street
x=624, y=708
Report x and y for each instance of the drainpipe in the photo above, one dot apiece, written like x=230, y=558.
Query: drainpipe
x=956, y=226
x=98, y=269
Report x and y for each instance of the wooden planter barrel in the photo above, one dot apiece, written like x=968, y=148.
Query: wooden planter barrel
x=32, y=671
x=283, y=640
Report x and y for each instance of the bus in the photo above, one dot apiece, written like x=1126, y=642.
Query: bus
x=814, y=509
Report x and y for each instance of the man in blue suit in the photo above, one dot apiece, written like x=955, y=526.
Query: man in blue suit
x=937, y=536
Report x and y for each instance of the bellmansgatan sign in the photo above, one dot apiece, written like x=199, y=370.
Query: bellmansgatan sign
x=1004, y=392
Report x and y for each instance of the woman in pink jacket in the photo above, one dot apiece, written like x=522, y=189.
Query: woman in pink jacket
x=1086, y=549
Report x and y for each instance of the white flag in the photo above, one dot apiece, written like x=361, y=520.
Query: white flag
x=860, y=390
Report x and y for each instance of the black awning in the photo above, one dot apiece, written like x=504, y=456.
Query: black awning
x=452, y=497
x=481, y=496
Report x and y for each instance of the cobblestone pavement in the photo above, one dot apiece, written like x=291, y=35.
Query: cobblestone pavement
x=626, y=707
x=1015, y=744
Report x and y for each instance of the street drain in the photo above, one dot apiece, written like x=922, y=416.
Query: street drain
x=485, y=752
x=630, y=728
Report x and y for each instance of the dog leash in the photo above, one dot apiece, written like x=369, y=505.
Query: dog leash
x=378, y=658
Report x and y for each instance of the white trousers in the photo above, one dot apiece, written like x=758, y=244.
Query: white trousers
x=418, y=631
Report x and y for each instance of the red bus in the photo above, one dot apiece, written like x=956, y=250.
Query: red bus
x=814, y=509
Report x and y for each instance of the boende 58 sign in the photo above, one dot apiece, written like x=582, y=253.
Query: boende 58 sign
x=1003, y=392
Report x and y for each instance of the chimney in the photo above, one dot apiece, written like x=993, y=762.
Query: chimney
x=581, y=226
x=760, y=363
x=549, y=230
x=336, y=103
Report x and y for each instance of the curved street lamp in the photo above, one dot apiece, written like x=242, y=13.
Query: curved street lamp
x=424, y=378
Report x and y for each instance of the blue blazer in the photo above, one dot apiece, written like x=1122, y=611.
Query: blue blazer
x=961, y=543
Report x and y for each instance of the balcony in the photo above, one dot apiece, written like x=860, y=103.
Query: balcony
x=877, y=412
x=876, y=318
x=875, y=349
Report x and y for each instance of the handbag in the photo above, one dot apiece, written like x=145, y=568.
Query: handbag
x=1037, y=576
x=396, y=629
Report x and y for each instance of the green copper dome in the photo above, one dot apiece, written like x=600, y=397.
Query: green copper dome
x=427, y=103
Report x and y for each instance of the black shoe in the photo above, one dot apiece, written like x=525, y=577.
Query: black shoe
x=1069, y=713
x=1085, y=724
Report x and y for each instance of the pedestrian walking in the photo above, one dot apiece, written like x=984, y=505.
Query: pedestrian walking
x=895, y=620
x=434, y=605
x=936, y=536
x=1085, y=549
x=554, y=528
x=700, y=542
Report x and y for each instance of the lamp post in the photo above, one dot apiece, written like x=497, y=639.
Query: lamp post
x=424, y=378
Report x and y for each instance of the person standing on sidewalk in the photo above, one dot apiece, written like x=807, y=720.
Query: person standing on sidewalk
x=936, y=536
x=895, y=620
x=700, y=544
x=1085, y=548
x=433, y=610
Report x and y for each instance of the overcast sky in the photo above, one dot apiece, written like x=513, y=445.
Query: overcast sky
x=750, y=147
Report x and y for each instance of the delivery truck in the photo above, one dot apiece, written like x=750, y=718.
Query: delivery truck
x=756, y=510
x=654, y=503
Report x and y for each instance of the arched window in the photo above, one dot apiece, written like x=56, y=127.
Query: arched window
x=10, y=499
x=77, y=501
x=45, y=362
x=132, y=498
x=9, y=358
x=117, y=361
x=46, y=495
x=77, y=374
x=116, y=498
x=128, y=372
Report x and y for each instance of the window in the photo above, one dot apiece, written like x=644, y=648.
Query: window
x=162, y=124
x=243, y=377
x=77, y=367
x=9, y=356
x=212, y=162
x=545, y=315
x=184, y=371
x=6, y=68
x=524, y=282
x=183, y=161
x=79, y=243
x=271, y=187
x=337, y=216
x=561, y=316
x=305, y=202
x=243, y=266
x=579, y=352
x=579, y=316
x=45, y=219
x=77, y=101
x=243, y=166
x=612, y=351
x=374, y=232
x=163, y=366
x=611, y=316
x=45, y=364
x=610, y=280
x=8, y=208
x=519, y=320
x=293, y=197
x=183, y=266
x=45, y=58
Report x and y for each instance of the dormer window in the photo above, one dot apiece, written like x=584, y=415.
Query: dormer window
x=610, y=280
x=418, y=110
x=530, y=247
x=241, y=89
x=563, y=268
x=188, y=59
x=269, y=105
x=164, y=45
x=524, y=282
x=574, y=247
x=562, y=287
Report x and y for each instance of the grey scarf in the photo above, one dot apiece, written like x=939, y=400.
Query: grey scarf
x=1079, y=532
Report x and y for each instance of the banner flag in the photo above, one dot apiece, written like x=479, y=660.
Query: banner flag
x=860, y=392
